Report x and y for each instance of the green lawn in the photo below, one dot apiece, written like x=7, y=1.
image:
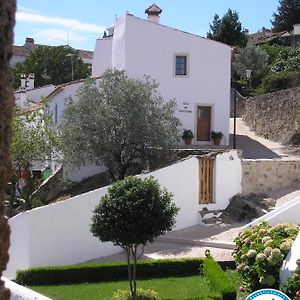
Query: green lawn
x=194, y=287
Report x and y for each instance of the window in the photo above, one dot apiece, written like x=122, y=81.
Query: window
x=181, y=65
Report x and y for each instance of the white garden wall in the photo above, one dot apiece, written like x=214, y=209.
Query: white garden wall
x=287, y=213
x=18, y=292
x=58, y=234
x=289, y=265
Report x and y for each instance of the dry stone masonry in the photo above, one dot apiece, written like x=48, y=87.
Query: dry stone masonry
x=275, y=115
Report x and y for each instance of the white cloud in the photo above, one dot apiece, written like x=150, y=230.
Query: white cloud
x=57, y=36
x=26, y=9
x=72, y=24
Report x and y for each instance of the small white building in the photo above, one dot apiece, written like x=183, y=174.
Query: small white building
x=195, y=71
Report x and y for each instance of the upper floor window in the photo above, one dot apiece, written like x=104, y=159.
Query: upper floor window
x=181, y=62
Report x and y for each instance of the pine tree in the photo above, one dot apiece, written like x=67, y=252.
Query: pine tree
x=228, y=30
x=288, y=15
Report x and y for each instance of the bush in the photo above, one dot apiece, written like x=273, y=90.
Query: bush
x=292, y=286
x=218, y=279
x=140, y=295
x=109, y=272
x=260, y=251
x=278, y=81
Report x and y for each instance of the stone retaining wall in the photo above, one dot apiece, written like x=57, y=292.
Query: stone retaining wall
x=274, y=115
x=261, y=176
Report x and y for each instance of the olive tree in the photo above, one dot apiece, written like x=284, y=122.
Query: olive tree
x=133, y=213
x=33, y=140
x=117, y=122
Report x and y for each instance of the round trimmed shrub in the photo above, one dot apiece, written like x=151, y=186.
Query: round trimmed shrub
x=141, y=294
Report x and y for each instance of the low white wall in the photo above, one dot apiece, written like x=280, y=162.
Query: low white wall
x=18, y=292
x=289, y=265
x=82, y=173
x=287, y=213
x=58, y=234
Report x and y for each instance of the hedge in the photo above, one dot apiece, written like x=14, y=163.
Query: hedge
x=109, y=272
x=218, y=279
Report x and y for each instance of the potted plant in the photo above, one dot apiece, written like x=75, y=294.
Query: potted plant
x=217, y=137
x=187, y=136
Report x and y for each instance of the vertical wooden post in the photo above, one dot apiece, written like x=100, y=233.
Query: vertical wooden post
x=7, y=21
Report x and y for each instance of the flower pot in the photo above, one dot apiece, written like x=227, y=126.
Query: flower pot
x=188, y=141
x=217, y=141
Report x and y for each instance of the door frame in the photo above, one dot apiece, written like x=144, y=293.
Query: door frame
x=212, y=117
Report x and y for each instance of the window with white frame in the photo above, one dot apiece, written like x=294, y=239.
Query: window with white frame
x=181, y=65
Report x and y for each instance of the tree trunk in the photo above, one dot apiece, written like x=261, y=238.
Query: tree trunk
x=128, y=254
x=7, y=21
x=134, y=251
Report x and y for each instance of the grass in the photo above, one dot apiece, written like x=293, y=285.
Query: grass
x=236, y=279
x=194, y=287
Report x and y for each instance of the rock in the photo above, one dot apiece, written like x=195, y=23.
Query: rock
x=295, y=139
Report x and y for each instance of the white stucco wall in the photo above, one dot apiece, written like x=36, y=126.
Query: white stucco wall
x=102, y=59
x=141, y=47
x=58, y=234
x=82, y=173
x=36, y=94
x=15, y=59
x=19, y=292
x=286, y=213
x=289, y=265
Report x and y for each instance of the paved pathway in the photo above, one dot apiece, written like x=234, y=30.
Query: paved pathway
x=257, y=147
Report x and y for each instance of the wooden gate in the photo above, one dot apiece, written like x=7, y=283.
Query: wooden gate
x=206, y=181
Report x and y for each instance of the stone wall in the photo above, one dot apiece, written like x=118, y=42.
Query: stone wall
x=261, y=176
x=274, y=115
x=240, y=104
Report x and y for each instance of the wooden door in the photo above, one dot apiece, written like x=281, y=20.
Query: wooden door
x=203, y=123
x=206, y=181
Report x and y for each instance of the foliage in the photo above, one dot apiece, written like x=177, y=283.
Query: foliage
x=288, y=59
x=33, y=141
x=218, y=279
x=109, y=272
x=288, y=15
x=228, y=30
x=251, y=58
x=273, y=51
x=132, y=214
x=187, y=134
x=216, y=134
x=118, y=123
x=141, y=294
x=278, y=81
x=52, y=65
x=292, y=287
x=260, y=251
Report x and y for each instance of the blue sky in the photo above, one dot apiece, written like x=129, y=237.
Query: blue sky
x=82, y=22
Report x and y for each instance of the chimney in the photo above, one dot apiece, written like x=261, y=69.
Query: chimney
x=23, y=81
x=29, y=40
x=30, y=82
x=153, y=12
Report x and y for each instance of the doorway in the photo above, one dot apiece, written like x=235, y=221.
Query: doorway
x=203, y=123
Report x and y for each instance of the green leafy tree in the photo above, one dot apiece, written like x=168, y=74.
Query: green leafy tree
x=132, y=214
x=251, y=58
x=288, y=15
x=288, y=59
x=228, y=30
x=52, y=65
x=118, y=123
x=33, y=140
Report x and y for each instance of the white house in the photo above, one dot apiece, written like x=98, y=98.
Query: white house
x=194, y=70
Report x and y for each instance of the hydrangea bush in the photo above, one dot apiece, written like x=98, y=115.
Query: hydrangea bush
x=259, y=253
x=292, y=286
